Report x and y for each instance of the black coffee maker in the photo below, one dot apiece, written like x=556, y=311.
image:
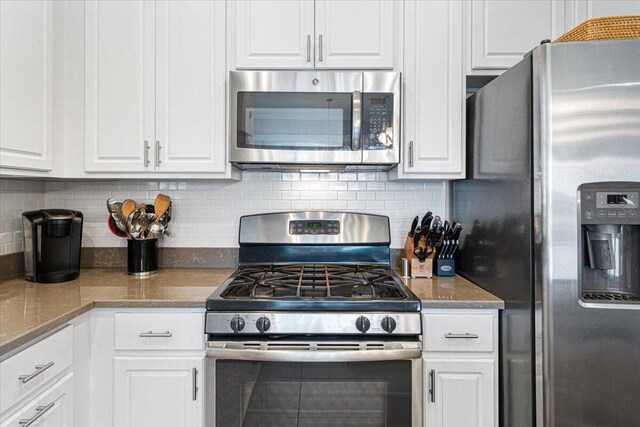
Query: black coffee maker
x=52, y=242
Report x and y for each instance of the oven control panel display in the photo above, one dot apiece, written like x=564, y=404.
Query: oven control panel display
x=314, y=227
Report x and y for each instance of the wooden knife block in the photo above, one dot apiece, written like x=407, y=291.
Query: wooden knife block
x=418, y=269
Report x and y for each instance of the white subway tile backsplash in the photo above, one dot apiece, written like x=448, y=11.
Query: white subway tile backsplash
x=17, y=196
x=207, y=213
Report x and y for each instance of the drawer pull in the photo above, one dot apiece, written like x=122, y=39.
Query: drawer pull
x=39, y=369
x=465, y=335
x=151, y=334
x=40, y=411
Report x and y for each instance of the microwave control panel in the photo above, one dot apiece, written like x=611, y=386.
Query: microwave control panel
x=377, y=120
x=314, y=227
x=609, y=206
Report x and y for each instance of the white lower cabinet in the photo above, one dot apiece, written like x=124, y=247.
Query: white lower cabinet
x=158, y=391
x=460, y=368
x=52, y=408
x=460, y=393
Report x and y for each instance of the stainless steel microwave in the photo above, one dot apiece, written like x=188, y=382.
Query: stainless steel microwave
x=296, y=120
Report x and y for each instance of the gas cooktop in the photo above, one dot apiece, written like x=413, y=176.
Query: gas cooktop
x=313, y=273
x=332, y=287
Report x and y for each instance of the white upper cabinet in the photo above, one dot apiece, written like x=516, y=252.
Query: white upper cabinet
x=307, y=34
x=581, y=10
x=119, y=85
x=190, y=87
x=500, y=33
x=273, y=33
x=433, y=91
x=354, y=34
x=26, y=85
x=155, y=86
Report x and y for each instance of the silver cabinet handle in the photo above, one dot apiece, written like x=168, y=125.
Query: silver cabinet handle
x=432, y=385
x=356, y=130
x=151, y=334
x=320, y=48
x=309, y=48
x=39, y=370
x=195, y=383
x=158, y=147
x=410, y=154
x=40, y=411
x=146, y=153
x=465, y=335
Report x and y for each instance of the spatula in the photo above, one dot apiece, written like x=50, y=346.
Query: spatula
x=128, y=206
x=161, y=205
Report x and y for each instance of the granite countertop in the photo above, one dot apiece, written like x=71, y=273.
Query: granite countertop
x=452, y=292
x=28, y=309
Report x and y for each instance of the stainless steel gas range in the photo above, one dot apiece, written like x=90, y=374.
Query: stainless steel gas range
x=314, y=328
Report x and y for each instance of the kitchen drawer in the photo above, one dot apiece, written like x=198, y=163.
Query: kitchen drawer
x=159, y=331
x=52, y=408
x=37, y=365
x=458, y=332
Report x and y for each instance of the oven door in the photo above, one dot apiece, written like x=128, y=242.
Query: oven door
x=314, y=383
x=295, y=117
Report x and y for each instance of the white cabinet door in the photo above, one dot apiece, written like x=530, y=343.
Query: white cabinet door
x=158, y=391
x=190, y=86
x=354, y=33
x=119, y=85
x=26, y=85
x=433, y=89
x=273, y=33
x=459, y=393
x=503, y=31
x=52, y=408
x=581, y=10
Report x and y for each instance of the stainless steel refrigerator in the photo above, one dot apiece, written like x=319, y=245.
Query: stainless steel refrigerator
x=551, y=218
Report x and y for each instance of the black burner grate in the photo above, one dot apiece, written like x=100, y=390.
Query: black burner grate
x=315, y=281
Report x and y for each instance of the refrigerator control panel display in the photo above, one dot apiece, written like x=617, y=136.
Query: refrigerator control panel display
x=619, y=199
x=314, y=227
x=619, y=206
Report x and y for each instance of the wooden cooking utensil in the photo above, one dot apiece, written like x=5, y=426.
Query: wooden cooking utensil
x=161, y=205
x=128, y=206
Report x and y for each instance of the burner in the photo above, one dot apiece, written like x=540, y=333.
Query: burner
x=314, y=282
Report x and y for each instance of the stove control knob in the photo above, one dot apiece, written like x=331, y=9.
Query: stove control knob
x=237, y=323
x=363, y=324
x=388, y=324
x=263, y=324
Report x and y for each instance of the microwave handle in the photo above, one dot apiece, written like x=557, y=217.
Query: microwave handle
x=356, y=131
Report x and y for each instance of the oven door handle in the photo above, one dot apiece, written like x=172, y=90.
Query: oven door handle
x=356, y=131
x=258, y=355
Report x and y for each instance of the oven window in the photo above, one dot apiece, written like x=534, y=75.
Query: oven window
x=362, y=394
x=294, y=121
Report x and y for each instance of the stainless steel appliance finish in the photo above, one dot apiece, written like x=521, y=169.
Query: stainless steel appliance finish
x=335, y=335
x=292, y=120
x=282, y=228
x=565, y=117
x=319, y=351
x=323, y=323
